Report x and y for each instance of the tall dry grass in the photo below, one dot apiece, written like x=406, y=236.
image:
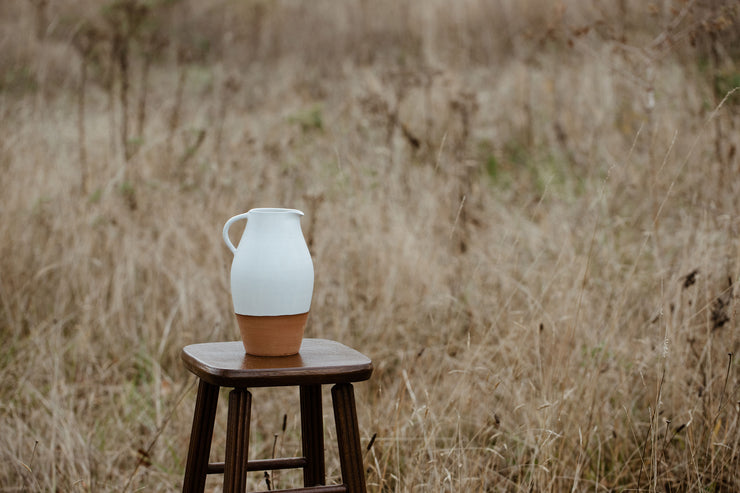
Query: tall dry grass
x=526, y=214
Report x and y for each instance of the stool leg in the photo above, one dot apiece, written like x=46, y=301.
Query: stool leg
x=200, y=438
x=237, y=441
x=312, y=435
x=348, y=436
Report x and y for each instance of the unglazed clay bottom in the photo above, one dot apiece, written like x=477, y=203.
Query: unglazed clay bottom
x=272, y=335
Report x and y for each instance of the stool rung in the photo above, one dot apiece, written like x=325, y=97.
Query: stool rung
x=263, y=464
x=334, y=488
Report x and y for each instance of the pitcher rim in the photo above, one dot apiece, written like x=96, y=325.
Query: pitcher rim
x=275, y=210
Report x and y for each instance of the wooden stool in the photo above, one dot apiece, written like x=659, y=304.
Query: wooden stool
x=224, y=364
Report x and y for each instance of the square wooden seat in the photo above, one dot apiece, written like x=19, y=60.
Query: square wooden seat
x=319, y=362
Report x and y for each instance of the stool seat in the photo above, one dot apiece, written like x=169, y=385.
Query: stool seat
x=320, y=361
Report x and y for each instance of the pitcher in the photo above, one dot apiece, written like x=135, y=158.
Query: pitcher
x=271, y=281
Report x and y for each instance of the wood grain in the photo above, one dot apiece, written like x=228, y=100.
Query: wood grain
x=319, y=361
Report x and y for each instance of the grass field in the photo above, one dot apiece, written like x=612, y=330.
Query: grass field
x=527, y=213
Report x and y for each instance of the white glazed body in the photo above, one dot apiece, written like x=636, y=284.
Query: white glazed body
x=272, y=272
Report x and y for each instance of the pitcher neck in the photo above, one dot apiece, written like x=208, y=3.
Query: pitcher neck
x=270, y=218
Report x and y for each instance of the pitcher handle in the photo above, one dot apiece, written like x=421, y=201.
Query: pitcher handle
x=226, y=230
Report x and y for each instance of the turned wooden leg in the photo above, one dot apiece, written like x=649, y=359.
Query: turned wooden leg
x=348, y=436
x=237, y=441
x=312, y=435
x=200, y=438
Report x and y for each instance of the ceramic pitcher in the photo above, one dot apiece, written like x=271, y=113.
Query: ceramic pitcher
x=271, y=281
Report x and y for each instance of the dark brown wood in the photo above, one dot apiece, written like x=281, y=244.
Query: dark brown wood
x=319, y=361
x=312, y=435
x=237, y=441
x=200, y=438
x=263, y=464
x=348, y=436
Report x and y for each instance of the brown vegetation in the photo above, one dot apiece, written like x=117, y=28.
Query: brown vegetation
x=525, y=212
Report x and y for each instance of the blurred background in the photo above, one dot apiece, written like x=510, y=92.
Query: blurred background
x=525, y=212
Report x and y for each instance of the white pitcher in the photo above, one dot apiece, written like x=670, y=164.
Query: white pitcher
x=271, y=281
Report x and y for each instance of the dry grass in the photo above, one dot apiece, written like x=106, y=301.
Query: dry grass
x=531, y=228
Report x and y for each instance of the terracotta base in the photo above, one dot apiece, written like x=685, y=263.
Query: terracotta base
x=272, y=336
